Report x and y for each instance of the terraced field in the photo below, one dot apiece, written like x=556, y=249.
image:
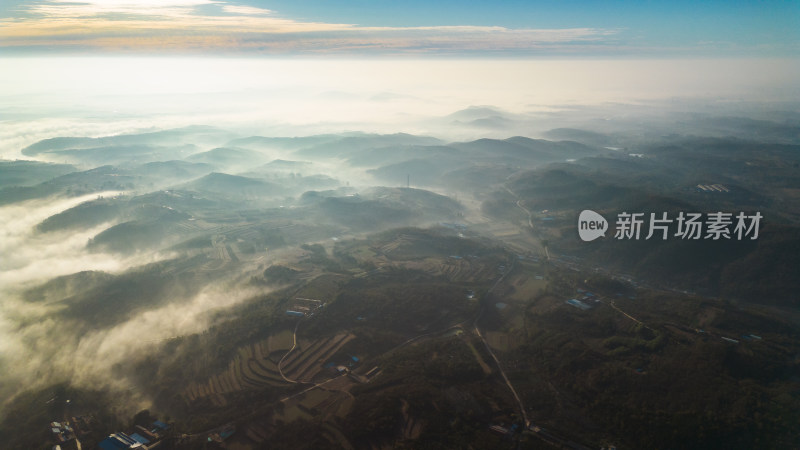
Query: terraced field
x=303, y=364
x=464, y=269
x=250, y=369
x=255, y=367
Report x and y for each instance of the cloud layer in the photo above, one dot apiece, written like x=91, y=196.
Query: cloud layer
x=208, y=25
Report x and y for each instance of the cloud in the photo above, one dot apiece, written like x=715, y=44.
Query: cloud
x=175, y=25
x=30, y=257
x=87, y=8
x=245, y=10
x=38, y=348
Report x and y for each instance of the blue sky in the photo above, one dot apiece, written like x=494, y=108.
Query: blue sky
x=446, y=27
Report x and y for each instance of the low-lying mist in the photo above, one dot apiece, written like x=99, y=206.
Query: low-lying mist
x=39, y=347
x=305, y=97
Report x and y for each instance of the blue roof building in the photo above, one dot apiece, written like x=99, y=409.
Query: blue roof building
x=578, y=304
x=119, y=441
x=140, y=439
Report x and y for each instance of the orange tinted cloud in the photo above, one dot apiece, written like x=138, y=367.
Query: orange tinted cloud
x=216, y=25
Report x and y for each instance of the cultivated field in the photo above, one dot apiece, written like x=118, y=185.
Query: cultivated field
x=252, y=368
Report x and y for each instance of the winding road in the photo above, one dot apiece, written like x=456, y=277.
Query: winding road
x=294, y=345
x=497, y=361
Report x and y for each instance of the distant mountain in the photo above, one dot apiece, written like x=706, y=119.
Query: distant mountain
x=294, y=177
x=582, y=136
x=283, y=143
x=491, y=123
x=377, y=157
x=347, y=146
x=281, y=164
x=174, y=170
x=122, y=154
x=233, y=186
x=178, y=136
x=524, y=151
x=475, y=113
x=428, y=165
x=280, y=168
x=228, y=157
x=770, y=131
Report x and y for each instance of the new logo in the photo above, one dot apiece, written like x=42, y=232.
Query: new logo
x=591, y=225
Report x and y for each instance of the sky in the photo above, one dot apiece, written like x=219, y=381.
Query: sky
x=567, y=28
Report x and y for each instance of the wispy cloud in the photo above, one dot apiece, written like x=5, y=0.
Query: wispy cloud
x=245, y=10
x=152, y=25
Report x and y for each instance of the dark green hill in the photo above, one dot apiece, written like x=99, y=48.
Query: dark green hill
x=74, y=184
x=85, y=215
x=67, y=286
x=116, y=299
x=380, y=208
x=419, y=200
x=665, y=180
x=767, y=274
x=418, y=172
x=30, y=173
x=570, y=188
x=363, y=214
x=478, y=179
x=135, y=236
